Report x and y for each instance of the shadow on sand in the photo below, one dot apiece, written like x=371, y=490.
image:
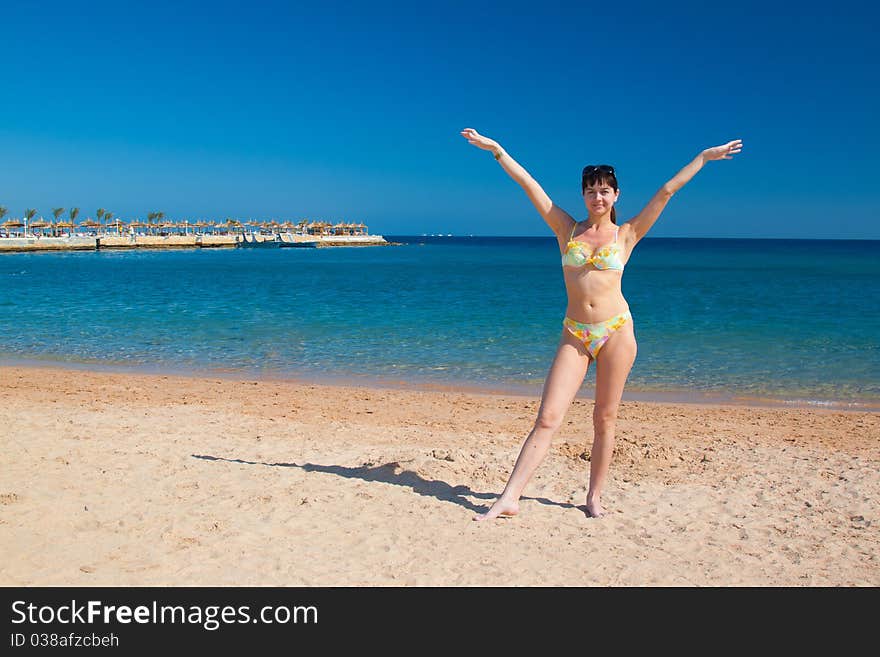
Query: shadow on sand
x=393, y=473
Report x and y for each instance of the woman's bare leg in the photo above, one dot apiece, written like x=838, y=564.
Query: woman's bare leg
x=563, y=381
x=613, y=364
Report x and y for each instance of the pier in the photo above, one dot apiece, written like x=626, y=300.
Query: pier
x=92, y=243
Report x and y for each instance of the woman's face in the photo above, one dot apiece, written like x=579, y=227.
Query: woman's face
x=599, y=198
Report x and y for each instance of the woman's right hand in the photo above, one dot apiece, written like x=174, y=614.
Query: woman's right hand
x=480, y=141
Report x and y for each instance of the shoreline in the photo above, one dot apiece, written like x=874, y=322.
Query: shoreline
x=586, y=393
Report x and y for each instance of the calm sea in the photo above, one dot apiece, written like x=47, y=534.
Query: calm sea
x=790, y=320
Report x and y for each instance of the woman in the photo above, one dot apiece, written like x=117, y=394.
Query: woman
x=598, y=326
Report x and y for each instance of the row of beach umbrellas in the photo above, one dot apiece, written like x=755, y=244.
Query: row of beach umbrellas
x=118, y=224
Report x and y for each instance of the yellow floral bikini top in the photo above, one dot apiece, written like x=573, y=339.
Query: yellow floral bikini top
x=608, y=256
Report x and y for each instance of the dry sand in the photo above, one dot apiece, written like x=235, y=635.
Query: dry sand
x=123, y=479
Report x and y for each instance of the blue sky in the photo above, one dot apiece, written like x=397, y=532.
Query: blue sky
x=352, y=111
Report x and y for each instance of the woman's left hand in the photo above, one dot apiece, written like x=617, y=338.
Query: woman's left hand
x=723, y=152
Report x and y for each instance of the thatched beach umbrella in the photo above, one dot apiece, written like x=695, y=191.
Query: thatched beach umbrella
x=12, y=223
x=319, y=227
x=65, y=224
x=39, y=223
x=116, y=223
x=90, y=223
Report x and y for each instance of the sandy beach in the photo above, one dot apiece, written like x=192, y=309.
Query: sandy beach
x=135, y=479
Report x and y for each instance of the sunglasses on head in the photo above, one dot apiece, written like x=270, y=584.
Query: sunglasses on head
x=601, y=168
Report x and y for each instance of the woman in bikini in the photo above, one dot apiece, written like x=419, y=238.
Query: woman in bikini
x=598, y=326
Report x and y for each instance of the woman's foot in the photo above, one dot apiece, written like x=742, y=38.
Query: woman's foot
x=500, y=508
x=593, y=509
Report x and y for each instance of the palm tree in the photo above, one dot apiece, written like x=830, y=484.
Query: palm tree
x=100, y=213
x=28, y=215
x=107, y=217
x=57, y=212
x=3, y=212
x=74, y=213
x=160, y=217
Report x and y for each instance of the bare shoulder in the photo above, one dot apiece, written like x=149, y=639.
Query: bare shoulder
x=560, y=222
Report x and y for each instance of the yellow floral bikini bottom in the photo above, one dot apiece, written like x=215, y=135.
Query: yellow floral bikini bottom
x=595, y=335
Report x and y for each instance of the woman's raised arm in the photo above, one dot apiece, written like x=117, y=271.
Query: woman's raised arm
x=642, y=222
x=557, y=218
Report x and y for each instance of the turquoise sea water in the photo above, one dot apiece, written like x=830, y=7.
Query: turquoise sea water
x=790, y=320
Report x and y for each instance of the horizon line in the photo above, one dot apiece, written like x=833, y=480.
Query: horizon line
x=655, y=237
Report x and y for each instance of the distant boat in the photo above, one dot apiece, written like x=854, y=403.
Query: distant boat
x=284, y=243
x=251, y=242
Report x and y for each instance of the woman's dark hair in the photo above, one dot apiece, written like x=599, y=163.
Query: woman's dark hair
x=604, y=175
